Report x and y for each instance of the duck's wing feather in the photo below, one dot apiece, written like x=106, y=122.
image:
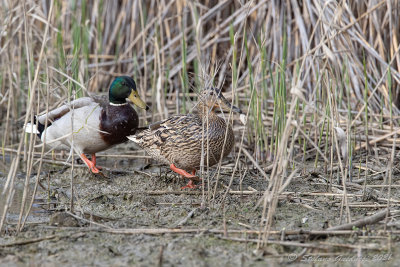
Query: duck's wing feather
x=101, y=99
x=57, y=113
x=174, y=129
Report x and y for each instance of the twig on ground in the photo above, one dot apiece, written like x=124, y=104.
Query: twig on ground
x=184, y=220
x=159, y=231
x=379, y=216
x=40, y=239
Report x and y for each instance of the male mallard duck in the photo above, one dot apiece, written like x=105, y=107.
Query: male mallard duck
x=177, y=141
x=97, y=123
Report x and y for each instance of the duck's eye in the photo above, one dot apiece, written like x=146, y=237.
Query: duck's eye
x=124, y=84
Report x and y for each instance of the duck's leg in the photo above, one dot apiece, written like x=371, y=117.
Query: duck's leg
x=182, y=172
x=185, y=174
x=90, y=164
x=94, y=161
x=190, y=185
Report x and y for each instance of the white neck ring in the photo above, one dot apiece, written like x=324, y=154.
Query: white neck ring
x=118, y=105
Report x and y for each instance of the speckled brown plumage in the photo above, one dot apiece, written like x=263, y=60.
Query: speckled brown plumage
x=179, y=139
x=169, y=142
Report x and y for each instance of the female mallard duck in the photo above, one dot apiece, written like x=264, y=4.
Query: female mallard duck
x=178, y=140
x=97, y=123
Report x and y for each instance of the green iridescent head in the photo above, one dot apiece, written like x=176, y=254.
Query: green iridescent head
x=124, y=87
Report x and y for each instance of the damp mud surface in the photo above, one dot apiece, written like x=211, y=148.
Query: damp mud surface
x=136, y=214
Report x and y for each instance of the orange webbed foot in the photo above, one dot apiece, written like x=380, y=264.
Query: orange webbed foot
x=91, y=165
x=185, y=174
x=191, y=185
x=94, y=161
x=182, y=172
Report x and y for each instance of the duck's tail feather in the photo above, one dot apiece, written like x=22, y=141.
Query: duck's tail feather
x=138, y=136
x=35, y=128
x=31, y=128
x=133, y=138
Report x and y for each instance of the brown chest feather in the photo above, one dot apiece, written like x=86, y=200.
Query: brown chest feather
x=117, y=122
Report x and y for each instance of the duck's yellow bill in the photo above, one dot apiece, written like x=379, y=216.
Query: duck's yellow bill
x=135, y=98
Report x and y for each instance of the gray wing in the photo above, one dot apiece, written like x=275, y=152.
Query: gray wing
x=57, y=113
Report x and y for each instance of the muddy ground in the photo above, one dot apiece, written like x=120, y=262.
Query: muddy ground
x=139, y=194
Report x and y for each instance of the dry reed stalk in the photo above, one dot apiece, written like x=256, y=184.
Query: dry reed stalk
x=343, y=56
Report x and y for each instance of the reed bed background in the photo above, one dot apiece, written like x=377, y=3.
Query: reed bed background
x=319, y=80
